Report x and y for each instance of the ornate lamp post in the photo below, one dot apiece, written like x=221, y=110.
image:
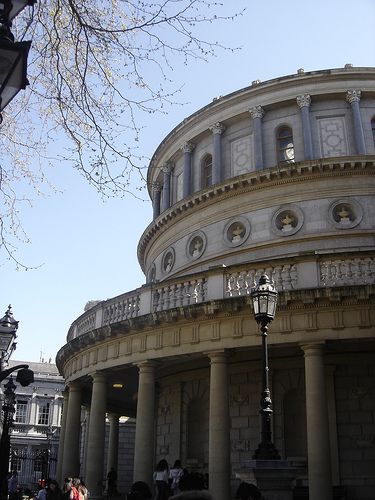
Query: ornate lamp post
x=50, y=432
x=264, y=300
x=25, y=376
x=13, y=55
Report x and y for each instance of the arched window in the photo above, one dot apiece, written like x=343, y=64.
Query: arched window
x=373, y=129
x=207, y=171
x=285, y=145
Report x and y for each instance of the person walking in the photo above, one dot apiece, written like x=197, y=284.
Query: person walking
x=161, y=480
x=175, y=474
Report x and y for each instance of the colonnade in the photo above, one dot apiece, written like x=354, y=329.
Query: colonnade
x=319, y=464
x=162, y=191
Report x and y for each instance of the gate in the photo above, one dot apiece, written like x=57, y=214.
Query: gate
x=33, y=465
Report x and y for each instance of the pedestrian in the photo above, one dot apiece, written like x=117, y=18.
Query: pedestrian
x=12, y=485
x=175, y=474
x=112, y=482
x=161, y=480
x=53, y=491
x=248, y=491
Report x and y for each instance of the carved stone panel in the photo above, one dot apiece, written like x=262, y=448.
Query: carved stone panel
x=242, y=155
x=332, y=136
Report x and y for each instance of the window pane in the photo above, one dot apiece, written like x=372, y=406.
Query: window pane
x=43, y=414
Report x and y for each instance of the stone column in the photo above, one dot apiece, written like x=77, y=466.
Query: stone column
x=59, y=466
x=318, y=442
x=144, y=430
x=167, y=170
x=96, y=435
x=113, y=441
x=304, y=102
x=257, y=114
x=219, y=429
x=156, y=188
x=353, y=97
x=187, y=149
x=70, y=460
x=217, y=175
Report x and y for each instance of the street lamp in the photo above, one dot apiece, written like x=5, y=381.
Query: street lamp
x=13, y=55
x=50, y=432
x=264, y=300
x=8, y=412
x=8, y=335
x=25, y=376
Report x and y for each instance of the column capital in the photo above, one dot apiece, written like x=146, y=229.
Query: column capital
x=157, y=186
x=353, y=96
x=304, y=100
x=146, y=366
x=218, y=356
x=74, y=387
x=217, y=128
x=256, y=112
x=313, y=348
x=187, y=147
x=167, y=168
x=98, y=377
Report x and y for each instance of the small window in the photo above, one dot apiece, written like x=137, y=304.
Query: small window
x=285, y=145
x=207, y=171
x=21, y=412
x=373, y=129
x=43, y=418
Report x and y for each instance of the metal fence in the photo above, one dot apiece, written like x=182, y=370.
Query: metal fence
x=32, y=466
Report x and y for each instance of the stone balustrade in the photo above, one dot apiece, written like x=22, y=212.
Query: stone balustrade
x=224, y=283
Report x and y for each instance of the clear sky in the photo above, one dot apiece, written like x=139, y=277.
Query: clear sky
x=87, y=248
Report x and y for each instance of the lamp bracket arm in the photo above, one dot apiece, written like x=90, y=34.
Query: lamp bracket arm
x=5, y=373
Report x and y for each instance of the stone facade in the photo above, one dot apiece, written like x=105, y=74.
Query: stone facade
x=276, y=178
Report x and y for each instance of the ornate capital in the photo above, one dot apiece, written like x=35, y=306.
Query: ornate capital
x=167, y=168
x=217, y=128
x=156, y=186
x=256, y=112
x=187, y=147
x=353, y=96
x=304, y=100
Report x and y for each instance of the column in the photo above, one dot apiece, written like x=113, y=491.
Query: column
x=217, y=129
x=187, y=149
x=353, y=97
x=318, y=442
x=304, y=102
x=144, y=430
x=70, y=461
x=113, y=441
x=167, y=170
x=219, y=440
x=257, y=113
x=59, y=475
x=156, y=195
x=96, y=435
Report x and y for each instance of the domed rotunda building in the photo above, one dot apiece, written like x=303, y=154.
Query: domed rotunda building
x=275, y=178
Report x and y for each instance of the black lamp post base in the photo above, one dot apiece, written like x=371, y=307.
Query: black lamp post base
x=266, y=451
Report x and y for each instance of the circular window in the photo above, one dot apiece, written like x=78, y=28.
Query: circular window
x=236, y=231
x=345, y=214
x=196, y=245
x=168, y=261
x=287, y=220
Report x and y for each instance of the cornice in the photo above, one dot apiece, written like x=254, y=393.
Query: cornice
x=289, y=301
x=271, y=177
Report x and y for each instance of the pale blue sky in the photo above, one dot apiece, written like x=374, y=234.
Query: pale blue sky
x=87, y=247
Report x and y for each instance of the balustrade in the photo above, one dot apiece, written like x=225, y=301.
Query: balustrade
x=224, y=284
